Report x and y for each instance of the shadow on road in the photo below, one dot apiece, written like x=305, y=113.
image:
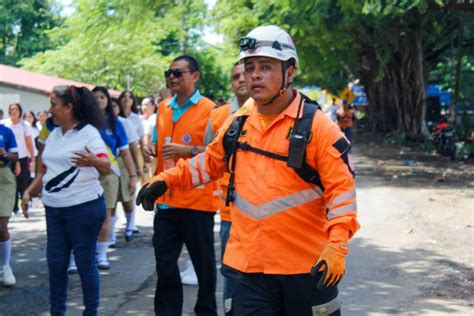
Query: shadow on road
x=434, y=277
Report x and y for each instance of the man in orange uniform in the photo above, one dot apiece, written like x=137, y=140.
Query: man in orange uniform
x=289, y=236
x=218, y=117
x=183, y=215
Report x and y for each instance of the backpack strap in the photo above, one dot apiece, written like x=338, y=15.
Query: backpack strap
x=296, y=158
x=300, y=137
x=231, y=144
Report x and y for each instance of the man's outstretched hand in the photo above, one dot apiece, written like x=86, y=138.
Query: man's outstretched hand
x=149, y=193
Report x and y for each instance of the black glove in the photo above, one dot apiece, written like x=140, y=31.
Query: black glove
x=149, y=193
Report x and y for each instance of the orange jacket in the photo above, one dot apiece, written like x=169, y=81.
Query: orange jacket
x=280, y=223
x=188, y=130
x=345, y=119
x=218, y=117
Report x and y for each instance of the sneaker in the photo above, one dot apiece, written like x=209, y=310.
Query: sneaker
x=112, y=244
x=135, y=230
x=8, y=277
x=188, y=276
x=128, y=235
x=190, y=279
x=72, y=269
x=103, y=264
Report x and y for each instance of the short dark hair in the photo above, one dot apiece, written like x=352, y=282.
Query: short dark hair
x=192, y=62
x=84, y=105
x=19, y=108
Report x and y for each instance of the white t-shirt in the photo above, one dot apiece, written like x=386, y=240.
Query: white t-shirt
x=137, y=123
x=64, y=184
x=21, y=130
x=34, y=133
x=130, y=130
x=149, y=124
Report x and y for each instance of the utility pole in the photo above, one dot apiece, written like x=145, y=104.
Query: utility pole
x=129, y=81
x=182, y=31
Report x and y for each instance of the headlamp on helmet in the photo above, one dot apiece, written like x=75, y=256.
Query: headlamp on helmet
x=248, y=43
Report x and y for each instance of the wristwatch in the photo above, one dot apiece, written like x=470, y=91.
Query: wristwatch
x=194, y=150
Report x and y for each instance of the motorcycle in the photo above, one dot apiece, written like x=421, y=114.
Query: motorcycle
x=443, y=138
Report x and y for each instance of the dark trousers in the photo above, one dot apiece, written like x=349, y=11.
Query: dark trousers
x=277, y=295
x=231, y=277
x=22, y=180
x=74, y=228
x=173, y=228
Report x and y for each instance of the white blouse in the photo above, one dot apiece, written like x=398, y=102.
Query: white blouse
x=64, y=184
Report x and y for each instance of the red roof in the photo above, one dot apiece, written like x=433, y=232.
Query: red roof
x=40, y=82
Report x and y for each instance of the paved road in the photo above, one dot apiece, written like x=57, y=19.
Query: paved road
x=126, y=289
x=391, y=269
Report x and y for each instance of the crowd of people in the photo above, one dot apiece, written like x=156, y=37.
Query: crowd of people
x=269, y=161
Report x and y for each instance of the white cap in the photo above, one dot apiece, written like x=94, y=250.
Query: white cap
x=269, y=41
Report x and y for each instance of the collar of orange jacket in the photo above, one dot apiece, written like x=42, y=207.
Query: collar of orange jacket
x=250, y=107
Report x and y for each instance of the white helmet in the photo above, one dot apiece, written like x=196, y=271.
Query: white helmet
x=270, y=41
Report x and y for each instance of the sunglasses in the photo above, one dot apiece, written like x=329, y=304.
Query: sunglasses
x=176, y=73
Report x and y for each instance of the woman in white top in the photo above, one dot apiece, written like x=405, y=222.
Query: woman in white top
x=74, y=155
x=124, y=195
x=129, y=110
x=42, y=117
x=26, y=152
x=30, y=118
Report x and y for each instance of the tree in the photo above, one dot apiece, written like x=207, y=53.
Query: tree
x=23, y=26
x=104, y=41
x=390, y=45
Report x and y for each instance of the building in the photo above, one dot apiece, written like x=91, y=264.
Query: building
x=31, y=89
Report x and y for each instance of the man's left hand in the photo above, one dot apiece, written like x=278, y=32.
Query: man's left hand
x=332, y=262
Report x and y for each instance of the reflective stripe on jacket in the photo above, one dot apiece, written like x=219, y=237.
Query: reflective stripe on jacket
x=280, y=223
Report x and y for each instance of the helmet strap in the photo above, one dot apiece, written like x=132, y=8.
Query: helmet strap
x=284, y=86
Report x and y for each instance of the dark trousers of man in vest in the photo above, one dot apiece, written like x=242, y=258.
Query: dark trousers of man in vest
x=172, y=228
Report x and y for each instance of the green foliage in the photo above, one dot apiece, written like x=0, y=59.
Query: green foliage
x=104, y=41
x=22, y=28
x=216, y=66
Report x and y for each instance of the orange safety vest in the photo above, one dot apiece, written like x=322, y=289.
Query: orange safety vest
x=218, y=117
x=280, y=223
x=188, y=130
x=345, y=118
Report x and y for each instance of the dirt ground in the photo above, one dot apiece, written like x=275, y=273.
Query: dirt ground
x=439, y=217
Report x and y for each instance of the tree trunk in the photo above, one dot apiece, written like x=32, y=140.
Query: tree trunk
x=397, y=101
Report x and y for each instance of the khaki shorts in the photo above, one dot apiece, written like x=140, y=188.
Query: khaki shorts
x=110, y=183
x=123, y=192
x=7, y=191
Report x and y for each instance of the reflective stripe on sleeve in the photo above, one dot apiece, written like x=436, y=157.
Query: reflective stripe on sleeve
x=342, y=210
x=343, y=197
x=202, y=166
x=194, y=171
x=278, y=205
